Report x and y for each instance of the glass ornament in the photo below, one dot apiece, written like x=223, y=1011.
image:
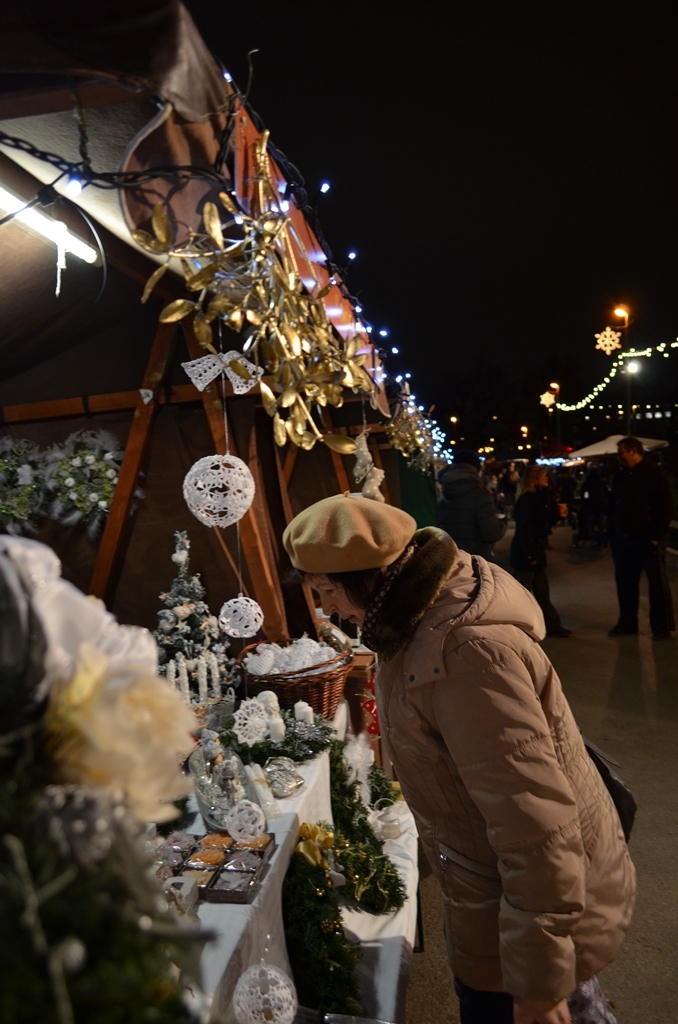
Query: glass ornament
x=219, y=489
x=241, y=617
x=264, y=995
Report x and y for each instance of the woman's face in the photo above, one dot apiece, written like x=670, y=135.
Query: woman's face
x=334, y=600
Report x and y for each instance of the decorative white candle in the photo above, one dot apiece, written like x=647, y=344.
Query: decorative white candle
x=183, y=678
x=216, y=678
x=276, y=728
x=303, y=712
x=202, y=679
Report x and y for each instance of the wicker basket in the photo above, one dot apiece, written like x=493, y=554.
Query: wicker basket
x=323, y=690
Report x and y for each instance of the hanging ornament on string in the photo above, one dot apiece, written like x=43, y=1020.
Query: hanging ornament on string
x=241, y=617
x=264, y=995
x=219, y=489
x=242, y=374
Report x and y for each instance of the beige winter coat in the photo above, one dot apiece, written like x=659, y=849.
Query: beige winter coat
x=536, y=876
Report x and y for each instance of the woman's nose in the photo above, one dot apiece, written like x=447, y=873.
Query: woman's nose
x=326, y=605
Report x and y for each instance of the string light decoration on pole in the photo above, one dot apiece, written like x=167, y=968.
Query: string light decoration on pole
x=608, y=340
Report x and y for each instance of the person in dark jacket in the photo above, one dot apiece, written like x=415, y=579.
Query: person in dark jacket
x=638, y=522
x=466, y=510
x=536, y=513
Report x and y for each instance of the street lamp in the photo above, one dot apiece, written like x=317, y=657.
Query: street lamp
x=556, y=389
x=631, y=369
x=623, y=311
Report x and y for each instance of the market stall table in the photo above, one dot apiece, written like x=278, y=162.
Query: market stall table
x=244, y=931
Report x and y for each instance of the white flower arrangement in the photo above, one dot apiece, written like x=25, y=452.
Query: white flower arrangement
x=22, y=487
x=82, y=474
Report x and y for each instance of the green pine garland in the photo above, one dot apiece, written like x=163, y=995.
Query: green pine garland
x=323, y=960
x=372, y=881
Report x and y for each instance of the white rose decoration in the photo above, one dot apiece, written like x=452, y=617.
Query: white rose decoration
x=90, y=460
x=77, y=461
x=110, y=473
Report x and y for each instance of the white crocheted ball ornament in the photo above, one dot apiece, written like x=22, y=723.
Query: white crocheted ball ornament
x=245, y=821
x=264, y=995
x=250, y=722
x=219, y=489
x=241, y=617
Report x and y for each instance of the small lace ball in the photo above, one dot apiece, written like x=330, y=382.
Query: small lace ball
x=241, y=617
x=245, y=821
x=264, y=995
x=219, y=489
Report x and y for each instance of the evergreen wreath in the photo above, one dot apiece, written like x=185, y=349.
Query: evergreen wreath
x=22, y=488
x=82, y=474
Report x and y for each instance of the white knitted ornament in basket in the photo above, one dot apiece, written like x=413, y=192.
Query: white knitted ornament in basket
x=241, y=617
x=264, y=995
x=219, y=489
x=245, y=821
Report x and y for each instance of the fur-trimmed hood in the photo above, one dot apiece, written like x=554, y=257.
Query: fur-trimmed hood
x=446, y=585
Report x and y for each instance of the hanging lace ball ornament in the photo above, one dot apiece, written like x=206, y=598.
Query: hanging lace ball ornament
x=219, y=489
x=250, y=722
x=241, y=617
x=245, y=821
x=264, y=995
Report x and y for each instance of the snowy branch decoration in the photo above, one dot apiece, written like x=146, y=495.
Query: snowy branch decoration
x=608, y=340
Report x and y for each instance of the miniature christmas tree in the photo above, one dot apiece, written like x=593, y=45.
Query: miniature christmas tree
x=193, y=651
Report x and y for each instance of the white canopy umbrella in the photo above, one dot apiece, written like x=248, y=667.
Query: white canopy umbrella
x=609, y=447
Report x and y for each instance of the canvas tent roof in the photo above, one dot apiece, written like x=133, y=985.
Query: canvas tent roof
x=609, y=446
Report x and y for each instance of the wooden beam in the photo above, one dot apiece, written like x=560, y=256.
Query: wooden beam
x=287, y=510
x=265, y=583
x=109, y=548
x=337, y=460
x=31, y=101
x=290, y=463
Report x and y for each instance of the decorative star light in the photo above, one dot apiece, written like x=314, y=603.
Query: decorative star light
x=608, y=341
x=547, y=399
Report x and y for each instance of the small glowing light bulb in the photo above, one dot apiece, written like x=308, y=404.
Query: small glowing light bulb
x=73, y=187
x=395, y=350
x=325, y=187
x=352, y=255
x=383, y=332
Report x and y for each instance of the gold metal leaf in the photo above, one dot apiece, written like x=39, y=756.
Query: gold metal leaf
x=153, y=280
x=228, y=202
x=307, y=440
x=289, y=396
x=291, y=433
x=293, y=339
x=235, y=320
x=268, y=399
x=143, y=239
x=269, y=355
x=240, y=369
x=279, y=432
x=253, y=317
x=352, y=347
x=202, y=331
x=339, y=443
x=176, y=310
x=202, y=279
x=323, y=291
x=161, y=225
x=210, y=215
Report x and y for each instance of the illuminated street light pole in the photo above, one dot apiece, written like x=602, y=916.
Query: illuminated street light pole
x=556, y=388
x=631, y=369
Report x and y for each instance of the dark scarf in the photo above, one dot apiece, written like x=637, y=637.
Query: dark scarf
x=411, y=585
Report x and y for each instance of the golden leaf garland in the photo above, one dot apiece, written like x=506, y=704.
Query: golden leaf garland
x=252, y=283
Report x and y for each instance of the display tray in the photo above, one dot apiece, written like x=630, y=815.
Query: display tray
x=237, y=879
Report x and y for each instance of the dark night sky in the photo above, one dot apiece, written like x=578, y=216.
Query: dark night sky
x=506, y=171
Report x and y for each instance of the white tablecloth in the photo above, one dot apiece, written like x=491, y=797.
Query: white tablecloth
x=243, y=931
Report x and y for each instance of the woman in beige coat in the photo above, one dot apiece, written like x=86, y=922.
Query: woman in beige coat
x=537, y=881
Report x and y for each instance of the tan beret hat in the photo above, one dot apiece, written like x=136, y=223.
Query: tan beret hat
x=347, y=533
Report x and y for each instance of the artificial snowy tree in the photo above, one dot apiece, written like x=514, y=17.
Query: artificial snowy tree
x=193, y=651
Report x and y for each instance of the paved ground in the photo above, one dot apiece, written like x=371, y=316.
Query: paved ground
x=624, y=694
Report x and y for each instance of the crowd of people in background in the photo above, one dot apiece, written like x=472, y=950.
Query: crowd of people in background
x=623, y=503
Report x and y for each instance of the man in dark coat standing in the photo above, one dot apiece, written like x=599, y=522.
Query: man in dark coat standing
x=466, y=510
x=639, y=517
